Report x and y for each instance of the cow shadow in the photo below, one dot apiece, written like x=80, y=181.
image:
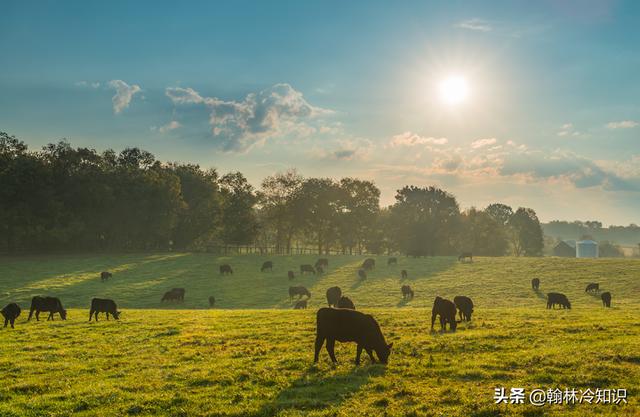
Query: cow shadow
x=540, y=294
x=312, y=391
x=403, y=302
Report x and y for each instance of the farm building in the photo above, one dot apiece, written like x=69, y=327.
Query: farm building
x=564, y=249
x=586, y=249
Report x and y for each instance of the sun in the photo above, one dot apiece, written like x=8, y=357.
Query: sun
x=454, y=90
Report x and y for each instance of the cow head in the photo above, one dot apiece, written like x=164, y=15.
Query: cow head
x=63, y=314
x=116, y=315
x=384, y=352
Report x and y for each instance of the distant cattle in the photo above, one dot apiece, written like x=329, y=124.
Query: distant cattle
x=307, y=268
x=345, y=325
x=403, y=274
x=345, y=302
x=593, y=287
x=464, y=256
x=49, y=305
x=369, y=264
x=299, y=291
x=447, y=311
x=291, y=275
x=225, y=269
x=267, y=266
x=554, y=298
x=362, y=274
x=319, y=270
x=300, y=305
x=10, y=313
x=101, y=305
x=104, y=275
x=407, y=292
x=333, y=296
x=175, y=294
x=322, y=262
x=465, y=307
x=392, y=261
x=212, y=301
x=605, y=296
x=535, y=284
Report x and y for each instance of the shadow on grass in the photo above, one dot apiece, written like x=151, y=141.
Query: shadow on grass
x=540, y=294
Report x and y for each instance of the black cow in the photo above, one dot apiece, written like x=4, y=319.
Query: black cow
x=362, y=274
x=307, y=268
x=299, y=291
x=392, y=261
x=464, y=256
x=268, y=265
x=226, y=269
x=535, y=284
x=322, y=262
x=407, y=292
x=465, y=307
x=49, y=305
x=369, y=264
x=300, y=305
x=291, y=275
x=345, y=325
x=605, y=296
x=403, y=274
x=554, y=298
x=176, y=294
x=104, y=275
x=212, y=301
x=10, y=313
x=593, y=287
x=447, y=311
x=101, y=305
x=333, y=296
x=345, y=302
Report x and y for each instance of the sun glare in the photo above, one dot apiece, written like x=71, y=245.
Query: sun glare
x=454, y=90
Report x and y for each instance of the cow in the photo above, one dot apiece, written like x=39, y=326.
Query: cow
x=345, y=325
x=407, y=292
x=291, y=275
x=392, y=261
x=464, y=256
x=175, y=294
x=322, y=262
x=300, y=305
x=403, y=274
x=319, y=270
x=535, y=284
x=333, y=296
x=362, y=274
x=554, y=298
x=212, y=301
x=447, y=311
x=299, y=291
x=225, y=269
x=104, y=275
x=101, y=305
x=592, y=287
x=368, y=264
x=605, y=296
x=49, y=305
x=267, y=265
x=10, y=313
x=465, y=307
x=307, y=268
x=345, y=302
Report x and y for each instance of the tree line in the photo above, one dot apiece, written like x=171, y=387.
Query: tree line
x=63, y=198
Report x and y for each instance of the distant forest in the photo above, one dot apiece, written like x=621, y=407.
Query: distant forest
x=576, y=230
x=62, y=198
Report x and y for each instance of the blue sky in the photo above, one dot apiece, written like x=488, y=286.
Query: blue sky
x=346, y=89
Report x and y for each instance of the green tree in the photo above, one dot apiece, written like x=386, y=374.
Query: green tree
x=526, y=233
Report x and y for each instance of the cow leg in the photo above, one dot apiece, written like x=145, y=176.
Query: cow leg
x=90, y=314
x=318, y=346
x=37, y=315
x=460, y=314
x=107, y=316
x=358, y=353
x=13, y=320
x=433, y=320
x=6, y=321
x=443, y=324
x=370, y=353
x=331, y=343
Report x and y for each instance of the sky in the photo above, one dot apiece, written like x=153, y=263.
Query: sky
x=547, y=115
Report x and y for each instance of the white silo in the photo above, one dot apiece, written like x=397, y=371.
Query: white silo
x=586, y=249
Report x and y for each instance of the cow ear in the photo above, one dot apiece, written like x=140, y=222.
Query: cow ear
x=390, y=345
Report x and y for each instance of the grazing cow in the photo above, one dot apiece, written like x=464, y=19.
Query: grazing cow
x=322, y=262
x=104, y=275
x=333, y=296
x=362, y=274
x=345, y=325
x=407, y=292
x=268, y=265
x=319, y=270
x=593, y=287
x=369, y=264
x=49, y=305
x=605, y=296
x=226, y=269
x=345, y=302
x=291, y=275
x=404, y=274
x=554, y=298
x=212, y=301
x=464, y=256
x=307, y=268
x=176, y=294
x=101, y=305
x=535, y=284
x=465, y=307
x=392, y=261
x=10, y=313
x=299, y=291
x=447, y=311
x=300, y=305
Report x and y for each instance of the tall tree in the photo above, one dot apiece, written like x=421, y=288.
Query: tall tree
x=526, y=233
x=277, y=200
x=239, y=221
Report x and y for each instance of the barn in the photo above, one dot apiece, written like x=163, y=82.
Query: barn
x=564, y=249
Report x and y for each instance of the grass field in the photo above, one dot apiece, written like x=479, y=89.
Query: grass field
x=252, y=355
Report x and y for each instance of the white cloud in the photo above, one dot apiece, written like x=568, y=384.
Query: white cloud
x=124, y=94
x=568, y=129
x=413, y=139
x=480, y=143
x=624, y=124
x=172, y=125
x=475, y=24
x=87, y=84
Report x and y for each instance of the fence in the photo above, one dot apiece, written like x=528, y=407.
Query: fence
x=274, y=250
